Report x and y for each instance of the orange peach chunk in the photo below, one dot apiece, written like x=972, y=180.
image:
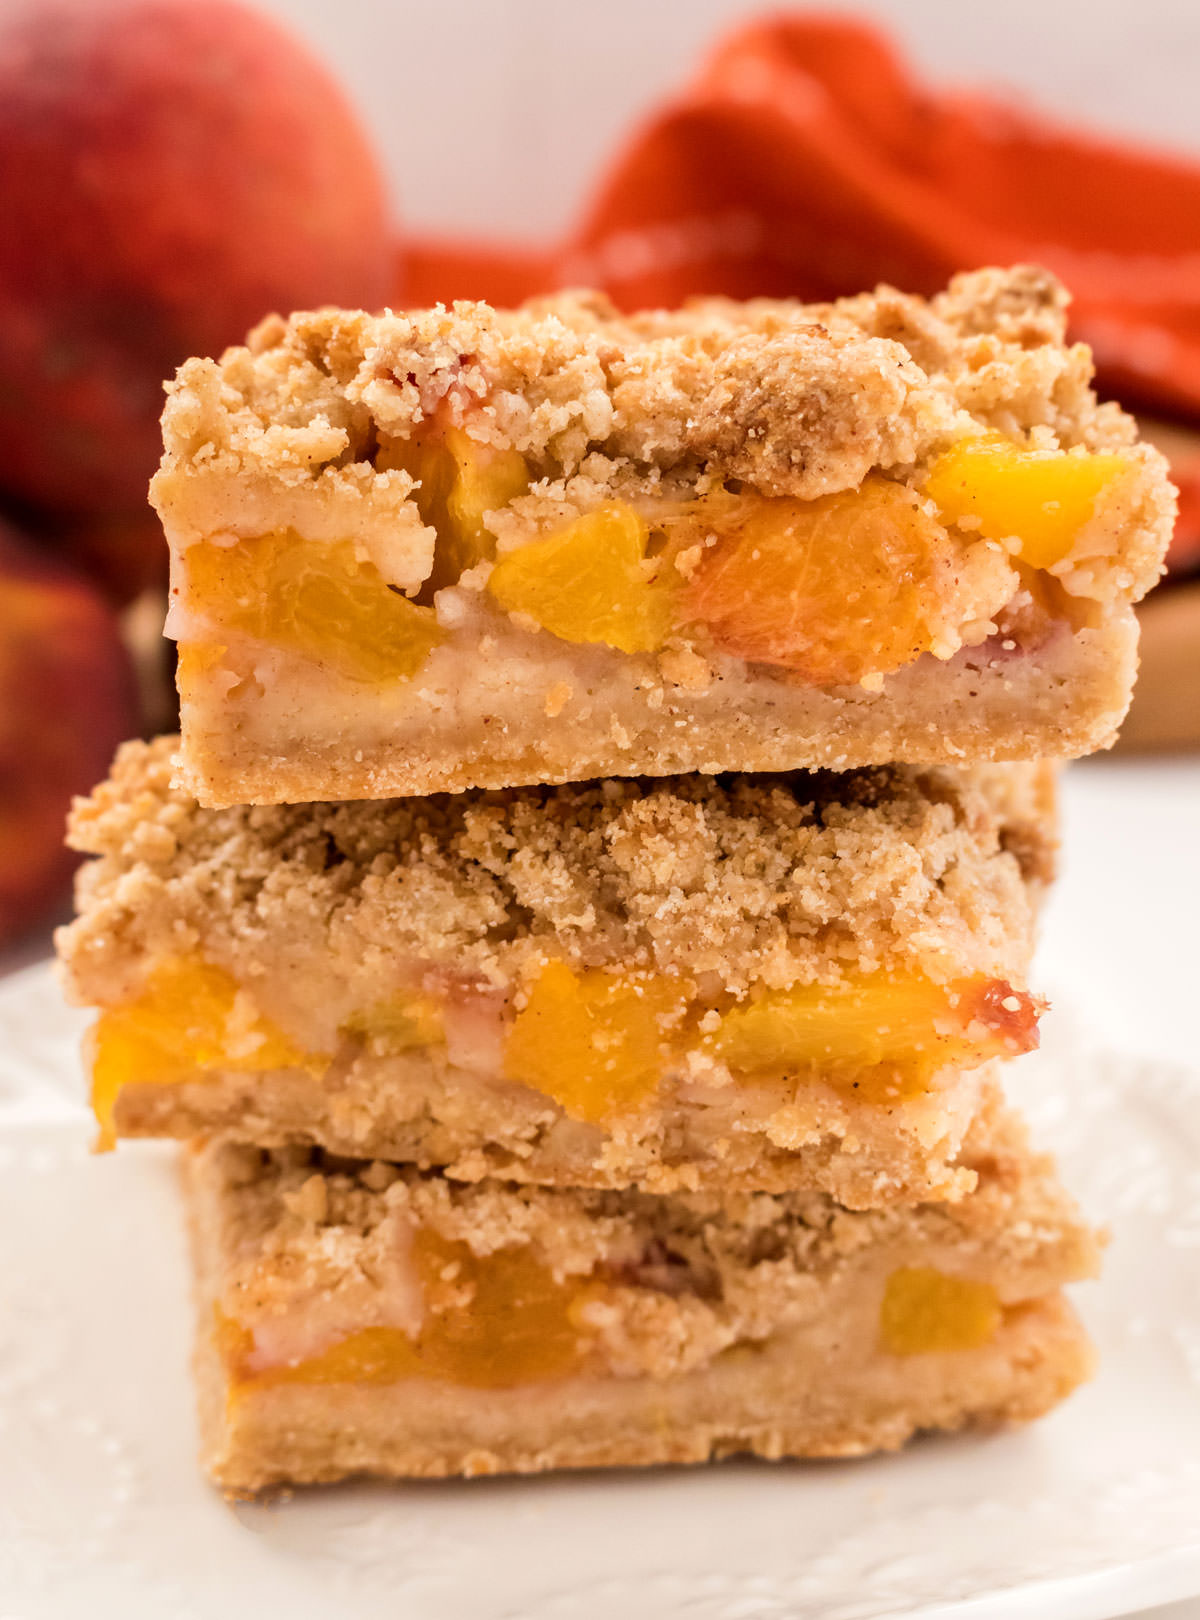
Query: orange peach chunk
x=489, y=1323
x=835, y=589
x=590, y=581
x=882, y=1037
x=321, y=601
x=925, y=1310
x=191, y=1018
x=1037, y=500
x=593, y=1041
x=460, y=481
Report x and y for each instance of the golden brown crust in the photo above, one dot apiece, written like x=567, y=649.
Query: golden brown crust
x=1062, y=700
x=786, y=1400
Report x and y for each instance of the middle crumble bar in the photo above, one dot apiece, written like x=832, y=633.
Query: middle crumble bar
x=767, y=982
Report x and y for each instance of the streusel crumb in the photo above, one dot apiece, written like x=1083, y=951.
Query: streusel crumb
x=794, y=399
x=741, y=879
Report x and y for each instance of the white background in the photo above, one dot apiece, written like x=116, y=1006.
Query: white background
x=497, y=115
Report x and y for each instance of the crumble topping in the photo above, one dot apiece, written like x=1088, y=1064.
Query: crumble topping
x=782, y=398
x=796, y=399
x=737, y=880
x=690, y=1273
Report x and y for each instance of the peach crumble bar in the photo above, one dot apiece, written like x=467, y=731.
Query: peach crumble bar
x=478, y=548
x=365, y=1318
x=800, y=981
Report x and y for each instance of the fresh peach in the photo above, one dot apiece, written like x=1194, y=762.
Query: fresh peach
x=66, y=700
x=173, y=171
x=124, y=553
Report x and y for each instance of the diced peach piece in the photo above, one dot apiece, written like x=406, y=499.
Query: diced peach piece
x=194, y=663
x=517, y=1323
x=882, y=1037
x=593, y=1041
x=925, y=1310
x=835, y=589
x=374, y=1355
x=323, y=602
x=400, y=1024
x=1038, y=500
x=461, y=480
x=486, y=479
x=505, y=1321
x=191, y=1017
x=591, y=581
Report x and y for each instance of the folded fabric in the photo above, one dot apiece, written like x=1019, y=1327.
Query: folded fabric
x=803, y=160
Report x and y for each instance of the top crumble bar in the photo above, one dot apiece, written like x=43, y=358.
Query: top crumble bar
x=479, y=548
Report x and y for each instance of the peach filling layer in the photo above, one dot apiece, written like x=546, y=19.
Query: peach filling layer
x=191, y=1017
x=927, y=1311
x=504, y=1320
x=599, y=1044
x=836, y=590
x=489, y=1322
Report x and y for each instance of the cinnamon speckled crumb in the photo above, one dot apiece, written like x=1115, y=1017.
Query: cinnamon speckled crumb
x=740, y=880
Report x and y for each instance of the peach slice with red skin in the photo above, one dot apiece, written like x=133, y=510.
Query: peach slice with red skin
x=834, y=589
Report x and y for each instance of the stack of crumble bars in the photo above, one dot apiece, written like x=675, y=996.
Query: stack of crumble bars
x=557, y=1092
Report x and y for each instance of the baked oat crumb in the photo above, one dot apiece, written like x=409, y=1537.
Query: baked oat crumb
x=739, y=879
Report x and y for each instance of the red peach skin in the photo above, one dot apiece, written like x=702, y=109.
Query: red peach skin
x=66, y=700
x=173, y=171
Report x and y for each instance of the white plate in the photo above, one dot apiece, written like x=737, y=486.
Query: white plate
x=103, y=1514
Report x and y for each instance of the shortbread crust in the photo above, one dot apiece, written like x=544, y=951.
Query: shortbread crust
x=306, y=431
x=639, y=1330
x=741, y=890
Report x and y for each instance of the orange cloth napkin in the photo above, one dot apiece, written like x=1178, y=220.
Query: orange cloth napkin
x=803, y=160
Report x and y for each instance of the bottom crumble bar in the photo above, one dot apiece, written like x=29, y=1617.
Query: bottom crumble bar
x=365, y=1319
